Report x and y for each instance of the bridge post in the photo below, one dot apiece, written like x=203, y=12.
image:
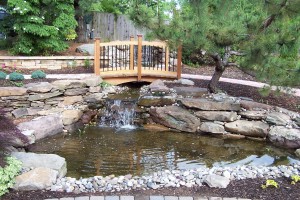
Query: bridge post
x=131, y=61
x=97, y=56
x=139, y=58
x=179, y=61
x=167, y=55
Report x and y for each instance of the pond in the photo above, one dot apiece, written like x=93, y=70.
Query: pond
x=105, y=151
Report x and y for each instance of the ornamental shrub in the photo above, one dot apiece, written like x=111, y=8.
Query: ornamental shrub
x=8, y=174
x=38, y=74
x=3, y=75
x=15, y=76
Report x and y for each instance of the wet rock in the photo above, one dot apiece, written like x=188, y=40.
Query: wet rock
x=278, y=118
x=42, y=87
x=69, y=84
x=175, y=117
x=248, y=128
x=256, y=115
x=20, y=112
x=210, y=127
x=191, y=91
x=203, y=104
x=233, y=136
x=29, y=134
x=43, y=96
x=71, y=116
x=149, y=101
x=297, y=152
x=12, y=91
x=158, y=86
x=72, y=100
x=43, y=126
x=94, y=98
x=251, y=105
x=36, y=179
x=76, y=91
x=217, y=116
x=285, y=137
x=216, y=181
x=88, y=116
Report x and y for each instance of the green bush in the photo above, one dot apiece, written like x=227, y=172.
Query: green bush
x=15, y=76
x=3, y=75
x=38, y=74
x=8, y=174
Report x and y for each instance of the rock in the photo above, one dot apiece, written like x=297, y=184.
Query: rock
x=33, y=111
x=191, y=91
x=30, y=135
x=278, y=118
x=233, y=136
x=248, y=128
x=297, y=121
x=52, y=161
x=285, y=137
x=12, y=91
x=217, y=116
x=158, y=86
x=20, y=112
x=43, y=126
x=210, y=127
x=203, y=104
x=86, y=48
x=76, y=91
x=217, y=181
x=94, y=98
x=88, y=116
x=92, y=81
x=297, y=152
x=95, y=89
x=72, y=100
x=256, y=115
x=14, y=139
x=175, y=117
x=69, y=84
x=51, y=111
x=43, y=96
x=36, y=179
x=186, y=82
x=251, y=105
x=149, y=101
x=41, y=87
x=71, y=116
x=74, y=127
x=155, y=127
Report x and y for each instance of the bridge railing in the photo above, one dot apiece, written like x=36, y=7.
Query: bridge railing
x=136, y=58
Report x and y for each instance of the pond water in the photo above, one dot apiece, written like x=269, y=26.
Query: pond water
x=105, y=151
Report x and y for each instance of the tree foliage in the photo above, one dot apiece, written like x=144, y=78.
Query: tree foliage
x=266, y=33
x=42, y=26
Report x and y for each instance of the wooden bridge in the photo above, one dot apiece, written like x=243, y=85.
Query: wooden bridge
x=130, y=61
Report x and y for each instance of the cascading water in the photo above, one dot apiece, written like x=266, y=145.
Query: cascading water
x=119, y=114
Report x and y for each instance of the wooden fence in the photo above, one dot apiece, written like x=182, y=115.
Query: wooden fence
x=126, y=61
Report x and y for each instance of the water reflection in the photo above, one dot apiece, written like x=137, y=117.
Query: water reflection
x=105, y=151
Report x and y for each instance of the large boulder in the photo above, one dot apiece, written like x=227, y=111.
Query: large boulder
x=210, y=127
x=248, y=128
x=285, y=137
x=204, y=104
x=217, y=116
x=41, y=87
x=12, y=91
x=278, y=118
x=216, y=181
x=71, y=116
x=176, y=118
x=52, y=161
x=191, y=91
x=43, y=126
x=149, y=101
x=69, y=84
x=36, y=179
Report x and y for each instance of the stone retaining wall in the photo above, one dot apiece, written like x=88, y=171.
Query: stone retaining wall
x=46, y=62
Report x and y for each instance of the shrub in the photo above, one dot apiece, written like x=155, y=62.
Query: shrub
x=8, y=174
x=15, y=76
x=38, y=74
x=3, y=75
x=87, y=63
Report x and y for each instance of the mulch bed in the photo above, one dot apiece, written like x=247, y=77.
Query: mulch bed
x=249, y=188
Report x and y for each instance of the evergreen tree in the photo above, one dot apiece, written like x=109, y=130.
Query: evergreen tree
x=265, y=33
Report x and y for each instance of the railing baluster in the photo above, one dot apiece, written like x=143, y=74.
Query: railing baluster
x=97, y=56
x=139, y=59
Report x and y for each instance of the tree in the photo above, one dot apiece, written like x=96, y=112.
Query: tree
x=265, y=33
x=42, y=26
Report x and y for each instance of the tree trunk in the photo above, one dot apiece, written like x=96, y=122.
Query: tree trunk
x=219, y=69
x=81, y=30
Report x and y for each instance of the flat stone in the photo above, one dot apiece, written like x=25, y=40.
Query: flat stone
x=72, y=100
x=171, y=198
x=285, y=137
x=217, y=116
x=37, y=179
x=297, y=152
x=43, y=126
x=96, y=197
x=203, y=104
x=149, y=101
x=92, y=81
x=95, y=89
x=35, y=160
x=191, y=91
x=41, y=87
x=82, y=198
x=186, y=82
x=233, y=136
x=50, y=112
x=12, y=91
x=111, y=197
x=142, y=197
x=20, y=112
x=185, y=198
x=175, y=117
x=37, y=97
x=94, y=98
x=156, y=197
x=33, y=111
x=67, y=198
x=278, y=118
x=256, y=115
x=126, y=197
x=200, y=198
x=217, y=181
x=158, y=86
x=69, y=84
x=251, y=105
x=30, y=135
x=71, y=116
x=248, y=128
x=210, y=127
x=76, y=91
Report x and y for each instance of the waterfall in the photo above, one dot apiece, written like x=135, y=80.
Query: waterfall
x=119, y=114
